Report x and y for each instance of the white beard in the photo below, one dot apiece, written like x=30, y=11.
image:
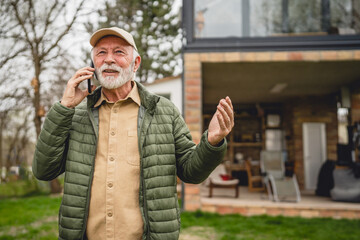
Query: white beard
x=112, y=82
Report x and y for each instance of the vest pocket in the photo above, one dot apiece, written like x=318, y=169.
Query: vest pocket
x=132, y=151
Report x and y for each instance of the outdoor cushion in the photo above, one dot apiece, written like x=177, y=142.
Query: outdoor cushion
x=225, y=182
x=347, y=187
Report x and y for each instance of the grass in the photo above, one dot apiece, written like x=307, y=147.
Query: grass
x=231, y=227
x=36, y=218
x=29, y=218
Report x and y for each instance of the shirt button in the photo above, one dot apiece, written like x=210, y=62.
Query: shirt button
x=115, y=111
x=112, y=133
x=109, y=214
x=112, y=158
x=110, y=185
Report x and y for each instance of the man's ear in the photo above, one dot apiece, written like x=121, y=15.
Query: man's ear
x=137, y=63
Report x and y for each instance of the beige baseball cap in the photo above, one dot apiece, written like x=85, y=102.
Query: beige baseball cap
x=114, y=31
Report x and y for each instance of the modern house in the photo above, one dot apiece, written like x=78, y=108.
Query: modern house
x=289, y=66
x=169, y=87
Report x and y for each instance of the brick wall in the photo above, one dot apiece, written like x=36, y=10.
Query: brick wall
x=290, y=210
x=355, y=104
x=310, y=109
x=193, y=96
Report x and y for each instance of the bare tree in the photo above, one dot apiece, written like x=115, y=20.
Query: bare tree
x=14, y=108
x=3, y=118
x=18, y=140
x=34, y=31
x=43, y=26
x=10, y=49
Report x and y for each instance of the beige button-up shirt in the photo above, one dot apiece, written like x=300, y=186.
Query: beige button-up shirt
x=114, y=211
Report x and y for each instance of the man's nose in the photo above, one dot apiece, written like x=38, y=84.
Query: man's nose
x=109, y=58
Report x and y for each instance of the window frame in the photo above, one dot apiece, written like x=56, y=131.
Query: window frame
x=281, y=43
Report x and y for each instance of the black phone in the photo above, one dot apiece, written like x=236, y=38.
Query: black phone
x=89, y=80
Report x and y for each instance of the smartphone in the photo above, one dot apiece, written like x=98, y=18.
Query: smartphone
x=96, y=83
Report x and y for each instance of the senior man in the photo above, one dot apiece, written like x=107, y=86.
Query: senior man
x=121, y=149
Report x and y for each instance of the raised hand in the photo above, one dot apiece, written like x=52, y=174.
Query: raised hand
x=222, y=122
x=73, y=95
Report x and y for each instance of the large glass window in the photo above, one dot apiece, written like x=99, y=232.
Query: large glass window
x=217, y=18
x=263, y=18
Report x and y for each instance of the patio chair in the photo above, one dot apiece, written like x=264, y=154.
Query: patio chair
x=219, y=179
x=279, y=187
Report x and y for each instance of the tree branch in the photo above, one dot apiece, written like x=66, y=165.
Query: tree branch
x=65, y=31
x=22, y=24
x=11, y=56
x=32, y=20
x=48, y=21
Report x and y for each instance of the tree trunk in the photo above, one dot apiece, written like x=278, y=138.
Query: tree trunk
x=39, y=113
x=35, y=83
x=1, y=147
x=55, y=186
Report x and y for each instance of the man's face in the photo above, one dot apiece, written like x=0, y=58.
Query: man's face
x=113, y=62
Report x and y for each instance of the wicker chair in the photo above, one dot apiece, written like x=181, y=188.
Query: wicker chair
x=255, y=180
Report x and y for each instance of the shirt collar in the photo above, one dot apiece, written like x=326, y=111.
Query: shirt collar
x=133, y=95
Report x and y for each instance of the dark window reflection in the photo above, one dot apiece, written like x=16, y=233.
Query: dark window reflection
x=263, y=18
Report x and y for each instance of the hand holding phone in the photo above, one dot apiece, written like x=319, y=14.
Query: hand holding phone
x=89, y=80
x=73, y=94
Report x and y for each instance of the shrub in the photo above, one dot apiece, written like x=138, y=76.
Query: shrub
x=22, y=188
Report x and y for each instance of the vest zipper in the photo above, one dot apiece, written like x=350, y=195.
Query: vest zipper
x=92, y=120
x=87, y=203
x=143, y=182
x=145, y=207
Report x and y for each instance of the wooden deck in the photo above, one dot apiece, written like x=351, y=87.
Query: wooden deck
x=249, y=204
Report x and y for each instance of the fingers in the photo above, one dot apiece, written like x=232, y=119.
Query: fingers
x=224, y=116
x=84, y=71
x=226, y=109
x=228, y=100
x=73, y=95
x=81, y=75
x=221, y=120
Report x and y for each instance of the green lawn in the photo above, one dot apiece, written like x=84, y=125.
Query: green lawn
x=231, y=227
x=29, y=218
x=36, y=218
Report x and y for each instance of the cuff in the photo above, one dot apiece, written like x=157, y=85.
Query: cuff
x=220, y=147
x=60, y=115
x=59, y=108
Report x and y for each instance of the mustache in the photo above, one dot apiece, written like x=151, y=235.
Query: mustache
x=111, y=67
